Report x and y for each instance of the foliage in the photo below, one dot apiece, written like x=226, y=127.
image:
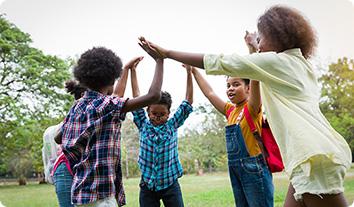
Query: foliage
x=337, y=98
x=31, y=94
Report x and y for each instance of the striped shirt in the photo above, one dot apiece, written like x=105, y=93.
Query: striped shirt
x=91, y=143
x=158, y=154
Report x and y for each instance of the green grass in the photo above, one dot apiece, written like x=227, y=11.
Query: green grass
x=208, y=190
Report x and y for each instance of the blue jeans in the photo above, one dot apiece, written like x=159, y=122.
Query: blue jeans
x=171, y=196
x=62, y=181
x=251, y=180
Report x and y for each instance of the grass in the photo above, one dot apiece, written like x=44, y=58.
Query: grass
x=208, y=190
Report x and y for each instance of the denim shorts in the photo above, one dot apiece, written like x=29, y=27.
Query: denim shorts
x=62, y=181
x=318, y=175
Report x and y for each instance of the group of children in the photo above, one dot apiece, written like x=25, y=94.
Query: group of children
x=315, y=155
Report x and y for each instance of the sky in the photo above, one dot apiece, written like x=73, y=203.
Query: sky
x=67, y=28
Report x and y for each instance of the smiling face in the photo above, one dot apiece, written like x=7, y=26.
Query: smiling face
x=237, y=90
x=158, y=114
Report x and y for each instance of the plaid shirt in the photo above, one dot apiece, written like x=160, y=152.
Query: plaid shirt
x=91, y=143
x=158, y=154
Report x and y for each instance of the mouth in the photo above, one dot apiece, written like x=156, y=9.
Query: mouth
x=231, y=96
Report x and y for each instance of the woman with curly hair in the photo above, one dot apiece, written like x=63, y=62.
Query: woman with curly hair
x=315, y=156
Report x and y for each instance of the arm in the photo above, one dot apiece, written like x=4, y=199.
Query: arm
x=120, y=85
x=208, y=92
x=154, y=93
x=189, y=90
x=134, y=83
x=254, y=100
x=193, y=59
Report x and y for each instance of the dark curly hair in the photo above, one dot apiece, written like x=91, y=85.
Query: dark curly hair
x=164, y=100
x=98, y=68
x=287, y=28
x=75, y=89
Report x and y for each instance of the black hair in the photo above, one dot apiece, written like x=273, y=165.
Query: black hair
x=98, y=68
x=75, y=89
x=164, y=100
x=245, y=80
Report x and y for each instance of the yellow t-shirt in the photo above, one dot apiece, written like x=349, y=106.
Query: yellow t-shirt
x=250, y=140
x=290, y=95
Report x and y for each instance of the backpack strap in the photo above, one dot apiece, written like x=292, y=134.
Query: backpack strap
x=228, y=112
x=255, y=132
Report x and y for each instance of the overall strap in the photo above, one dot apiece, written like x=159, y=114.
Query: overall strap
x=255, y=132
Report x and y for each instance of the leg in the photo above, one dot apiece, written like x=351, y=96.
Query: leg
x=239, y=195
x=328, y=200
x=257, y=182
x=148, y=198
x=172, y=196
x=62, y=182
x=290, y=199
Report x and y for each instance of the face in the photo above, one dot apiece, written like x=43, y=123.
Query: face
x=158, y=114
x=237, y=91
x=263, y=44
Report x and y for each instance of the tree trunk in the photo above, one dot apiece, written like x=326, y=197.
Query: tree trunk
x=127, y=164
x=22, y=181
x=198, y=169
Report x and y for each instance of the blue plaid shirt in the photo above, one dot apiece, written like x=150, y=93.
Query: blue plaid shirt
x=91, y=143
x=158, y=154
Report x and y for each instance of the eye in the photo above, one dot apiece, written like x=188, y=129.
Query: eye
x=258, y=40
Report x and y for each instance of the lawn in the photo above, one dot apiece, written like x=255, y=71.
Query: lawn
x=208, y=190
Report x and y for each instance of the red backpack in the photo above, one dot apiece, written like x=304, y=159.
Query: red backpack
x=266, y=142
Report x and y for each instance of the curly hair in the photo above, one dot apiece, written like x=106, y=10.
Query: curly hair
x=98, y=68
x=75, y=89
x=287, y=28
x=165, y=100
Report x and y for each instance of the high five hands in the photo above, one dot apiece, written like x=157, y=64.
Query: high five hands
x=152, y=49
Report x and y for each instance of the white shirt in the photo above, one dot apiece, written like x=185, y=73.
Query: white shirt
x=290, y=95
x=50, y=150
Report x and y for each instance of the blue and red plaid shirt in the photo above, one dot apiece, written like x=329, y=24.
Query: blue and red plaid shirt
x=158, y=154
x=91, y=143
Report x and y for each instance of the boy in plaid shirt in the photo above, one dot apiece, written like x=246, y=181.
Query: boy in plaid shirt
x=158, y=154
x=91, y=130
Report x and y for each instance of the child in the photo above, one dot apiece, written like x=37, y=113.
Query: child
x=158, y=154
x=91, y=131
x=315, y=156
x=247, y=167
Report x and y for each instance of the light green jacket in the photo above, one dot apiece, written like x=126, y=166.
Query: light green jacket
x=290, y=95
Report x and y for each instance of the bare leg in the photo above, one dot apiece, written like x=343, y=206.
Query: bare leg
x=290, y=200
x=327, y=200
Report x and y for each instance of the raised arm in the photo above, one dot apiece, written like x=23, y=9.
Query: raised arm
x=208, y=92
x=189, y=90
x=193, y=59
x=254, y=100
x=134, y=82
x=154, y=93
x=120, y=85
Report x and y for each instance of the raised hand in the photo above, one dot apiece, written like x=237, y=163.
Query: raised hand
x=251, y=41
x=153, y=50
x=188, y=68
x=133, y=63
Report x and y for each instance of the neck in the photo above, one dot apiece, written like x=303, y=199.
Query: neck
x=241, y=102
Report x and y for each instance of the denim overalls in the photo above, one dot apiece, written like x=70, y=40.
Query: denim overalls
x=251, y=179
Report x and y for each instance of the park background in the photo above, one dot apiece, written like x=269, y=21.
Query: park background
x=40, y=41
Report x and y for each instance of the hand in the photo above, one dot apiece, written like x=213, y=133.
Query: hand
x=133, y=63
x=188, y=68
x=251, y=41
x=153, y=50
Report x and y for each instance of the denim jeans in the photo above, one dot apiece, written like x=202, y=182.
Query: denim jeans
x=251, y=180
x=171, y=196
x=62, y=181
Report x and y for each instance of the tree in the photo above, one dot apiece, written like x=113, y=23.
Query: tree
x=204, y=147
x=337, y=98
x=31, y=94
